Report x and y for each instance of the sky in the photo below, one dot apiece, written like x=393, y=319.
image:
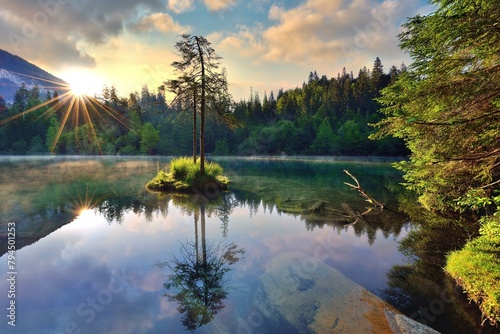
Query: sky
x=265, y=44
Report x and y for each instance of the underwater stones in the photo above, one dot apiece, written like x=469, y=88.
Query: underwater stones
x=313, y=297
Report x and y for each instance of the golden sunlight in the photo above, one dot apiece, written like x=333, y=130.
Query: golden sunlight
x=82, y=82
x=76, y=105
x=84, y=212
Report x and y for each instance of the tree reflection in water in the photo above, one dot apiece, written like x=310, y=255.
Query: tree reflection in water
x=420, y=288
x=197, y=283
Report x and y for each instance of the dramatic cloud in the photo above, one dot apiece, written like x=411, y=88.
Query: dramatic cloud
x=265, y=43
x=26, y=40
x=52, y=32
x=323, y=31
x=217, y=5
x=326, y=29
x=161, y=22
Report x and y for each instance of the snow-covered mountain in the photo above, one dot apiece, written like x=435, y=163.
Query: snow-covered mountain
x=14, y=71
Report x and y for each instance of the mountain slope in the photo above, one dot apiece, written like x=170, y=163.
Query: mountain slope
x=14, y=71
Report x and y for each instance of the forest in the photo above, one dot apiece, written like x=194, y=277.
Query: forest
x=325, y=116
x=442, y=113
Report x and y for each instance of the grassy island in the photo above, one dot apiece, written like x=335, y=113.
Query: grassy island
x=183, y=175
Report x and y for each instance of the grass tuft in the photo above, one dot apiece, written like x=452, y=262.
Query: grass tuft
x=183, y=175
x=476, y=268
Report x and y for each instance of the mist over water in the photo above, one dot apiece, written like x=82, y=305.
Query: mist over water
x=90, y=238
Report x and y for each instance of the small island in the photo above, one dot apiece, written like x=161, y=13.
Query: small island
x=194, y=89
x=184, y=175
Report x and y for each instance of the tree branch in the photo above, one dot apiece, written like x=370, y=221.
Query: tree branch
x=379, y=206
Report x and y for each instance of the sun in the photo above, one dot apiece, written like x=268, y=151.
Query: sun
x=82, y=82
x=78, y=104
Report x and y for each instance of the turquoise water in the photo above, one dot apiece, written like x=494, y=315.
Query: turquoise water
x=95, y=252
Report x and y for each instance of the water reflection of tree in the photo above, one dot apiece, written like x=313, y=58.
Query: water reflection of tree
x=421, y=289
x=114, y=208
x=332, y=215
x=197, y=283
x=388, y=222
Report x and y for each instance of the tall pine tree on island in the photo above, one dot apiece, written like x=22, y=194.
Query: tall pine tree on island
x=203, y=80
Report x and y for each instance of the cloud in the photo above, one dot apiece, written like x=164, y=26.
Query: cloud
x=180, y=6
x=319, y=31
x=218, y=5
x=247, y=41
x=161, y=22
x=35, y=45
x=320, y=35
x=54, y=32
x=276, y=12
x=315, y=30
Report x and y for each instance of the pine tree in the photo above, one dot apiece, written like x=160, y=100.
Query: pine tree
x=377, y=79
x=200, y=75
x=446, y=106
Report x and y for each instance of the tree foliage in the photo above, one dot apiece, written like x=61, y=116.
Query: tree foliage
x=325, y=116
x=447, y=105
x=200, y=84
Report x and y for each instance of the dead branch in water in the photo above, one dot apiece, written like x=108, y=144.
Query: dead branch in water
x=379, y=206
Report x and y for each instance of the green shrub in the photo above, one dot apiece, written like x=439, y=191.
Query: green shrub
x=213, y=169
x=182, y=168
x=184, y=175
x=476, y=268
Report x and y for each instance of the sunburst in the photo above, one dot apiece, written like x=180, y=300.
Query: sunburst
x=76, y=109
x=85, y=203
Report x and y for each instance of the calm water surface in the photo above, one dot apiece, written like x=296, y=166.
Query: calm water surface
x=95, y=249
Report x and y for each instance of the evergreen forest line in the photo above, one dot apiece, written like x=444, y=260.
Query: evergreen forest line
x=326, y=116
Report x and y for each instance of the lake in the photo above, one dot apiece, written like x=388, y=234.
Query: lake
x=97, y=253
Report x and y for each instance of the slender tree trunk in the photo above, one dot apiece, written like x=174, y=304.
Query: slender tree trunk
x=204, y=251
x=194, y=125
x=202, y=113
x=203, y=237
x=196, y=216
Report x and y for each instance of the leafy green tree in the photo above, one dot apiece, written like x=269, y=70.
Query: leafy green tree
x=325, y=139
x=350, y=138
x=447, y=105
x=52, y=135
x=150, y=137
x=37, y=146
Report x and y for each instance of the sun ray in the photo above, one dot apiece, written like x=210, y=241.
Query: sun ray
x=61, y=127
x=85, y=203
x=21, y=114
x=117, y=116
x=91, y=123
x=75, y=110
x=59, y=104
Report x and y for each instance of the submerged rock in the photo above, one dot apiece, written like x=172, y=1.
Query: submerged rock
x=312, y=297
